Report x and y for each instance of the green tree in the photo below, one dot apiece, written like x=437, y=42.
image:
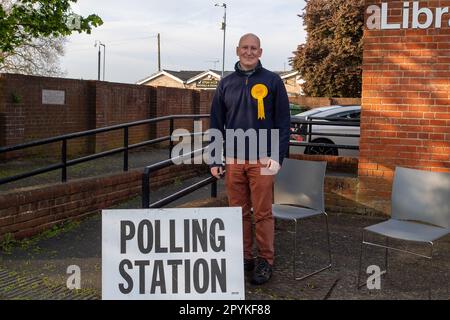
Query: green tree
x=24, y=21
x=330, y=62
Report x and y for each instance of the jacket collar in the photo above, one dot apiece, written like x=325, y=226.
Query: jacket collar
x=247, y=72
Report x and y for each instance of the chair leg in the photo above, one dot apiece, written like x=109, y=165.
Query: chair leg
x=358, y=285
x=430, y=271
x=295, y=249
x=329, y=252
x=386, y=252
x=328, y=240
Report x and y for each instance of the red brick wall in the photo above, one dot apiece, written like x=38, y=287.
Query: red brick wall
x=118, y=103
x=406, y=102
x=28, y=119
x=89, y=105
x=26, y=212
x=315, y=102
x=334, y=164
x=206, y=97
x=175, y=101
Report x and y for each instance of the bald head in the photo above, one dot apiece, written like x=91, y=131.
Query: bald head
x=250, y=36
x=249, y=51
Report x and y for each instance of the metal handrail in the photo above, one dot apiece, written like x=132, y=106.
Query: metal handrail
x=175, y=196
x=145, y=187
x=64, y=138
x=341, y=122
x=98, y=130
x=309, y=122
x=64, y=164
x=328, y=145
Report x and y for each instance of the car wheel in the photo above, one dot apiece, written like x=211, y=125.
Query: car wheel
x=313, y=150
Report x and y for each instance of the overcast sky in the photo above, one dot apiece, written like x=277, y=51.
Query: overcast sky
x=191, y=38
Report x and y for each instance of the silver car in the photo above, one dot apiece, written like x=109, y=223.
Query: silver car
x=331, y=113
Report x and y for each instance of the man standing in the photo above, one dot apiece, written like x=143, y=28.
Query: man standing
x=252, y=100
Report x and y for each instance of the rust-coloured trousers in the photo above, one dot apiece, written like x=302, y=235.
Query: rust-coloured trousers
x=247, y=188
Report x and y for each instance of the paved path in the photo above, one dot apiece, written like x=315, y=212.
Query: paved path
x=45, y=259
x=408, y=276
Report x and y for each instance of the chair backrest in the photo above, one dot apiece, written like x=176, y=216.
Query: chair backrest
x=421, y=196
x=301, y=182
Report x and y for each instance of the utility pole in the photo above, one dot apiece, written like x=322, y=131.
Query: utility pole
x=99, y=44
x=224, y=27
x=104, y=57
x=159, y=52
x=99, y=57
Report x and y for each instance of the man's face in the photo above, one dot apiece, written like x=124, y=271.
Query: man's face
x=249, y=52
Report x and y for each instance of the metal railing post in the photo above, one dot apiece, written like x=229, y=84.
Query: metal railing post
x=146, y=189
x=214, y=189
x=64, y=160
x=309, y=132
x=125, y=151
x=193, y=130
x=170, y=135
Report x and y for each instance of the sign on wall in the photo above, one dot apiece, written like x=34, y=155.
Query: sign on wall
x=207, y=83
x=53, y=97
x=182, y=253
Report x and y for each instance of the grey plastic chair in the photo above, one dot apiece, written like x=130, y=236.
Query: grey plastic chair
x=420, y=213
x=298, y=194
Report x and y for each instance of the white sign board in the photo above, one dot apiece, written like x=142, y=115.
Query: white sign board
x=170, y=254
x=53, y=97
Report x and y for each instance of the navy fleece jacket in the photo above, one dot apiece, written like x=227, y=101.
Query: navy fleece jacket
x=233, y=107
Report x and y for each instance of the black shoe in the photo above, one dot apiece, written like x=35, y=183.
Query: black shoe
x=249, y=264
x=263, y=272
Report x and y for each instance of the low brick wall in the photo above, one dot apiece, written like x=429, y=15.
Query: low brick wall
x=29, y=211
x=345, y=192
x=349, y=195
x=334, y=163
x=315, y=102
x=343, y=195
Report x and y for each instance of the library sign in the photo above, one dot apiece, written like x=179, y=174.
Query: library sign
x=182, y=253
x=413, y=16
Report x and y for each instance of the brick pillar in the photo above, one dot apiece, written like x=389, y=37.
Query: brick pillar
x=406, y=97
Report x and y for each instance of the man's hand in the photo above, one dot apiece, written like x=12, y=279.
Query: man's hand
x=217, y=172
x=272, y=168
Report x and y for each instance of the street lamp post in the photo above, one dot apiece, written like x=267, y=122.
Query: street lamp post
x=104, y=57
x=99, y=43
x=224, y=27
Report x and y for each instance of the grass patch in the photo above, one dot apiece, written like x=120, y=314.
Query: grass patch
x=8, y=243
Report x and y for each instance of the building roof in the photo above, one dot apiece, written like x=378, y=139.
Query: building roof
x=184, y=75
x=287, y=74
x=188, y=76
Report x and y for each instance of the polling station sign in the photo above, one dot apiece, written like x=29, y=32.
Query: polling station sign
x=169, y=254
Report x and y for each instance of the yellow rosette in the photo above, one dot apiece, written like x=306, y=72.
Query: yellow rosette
x=259, y=92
